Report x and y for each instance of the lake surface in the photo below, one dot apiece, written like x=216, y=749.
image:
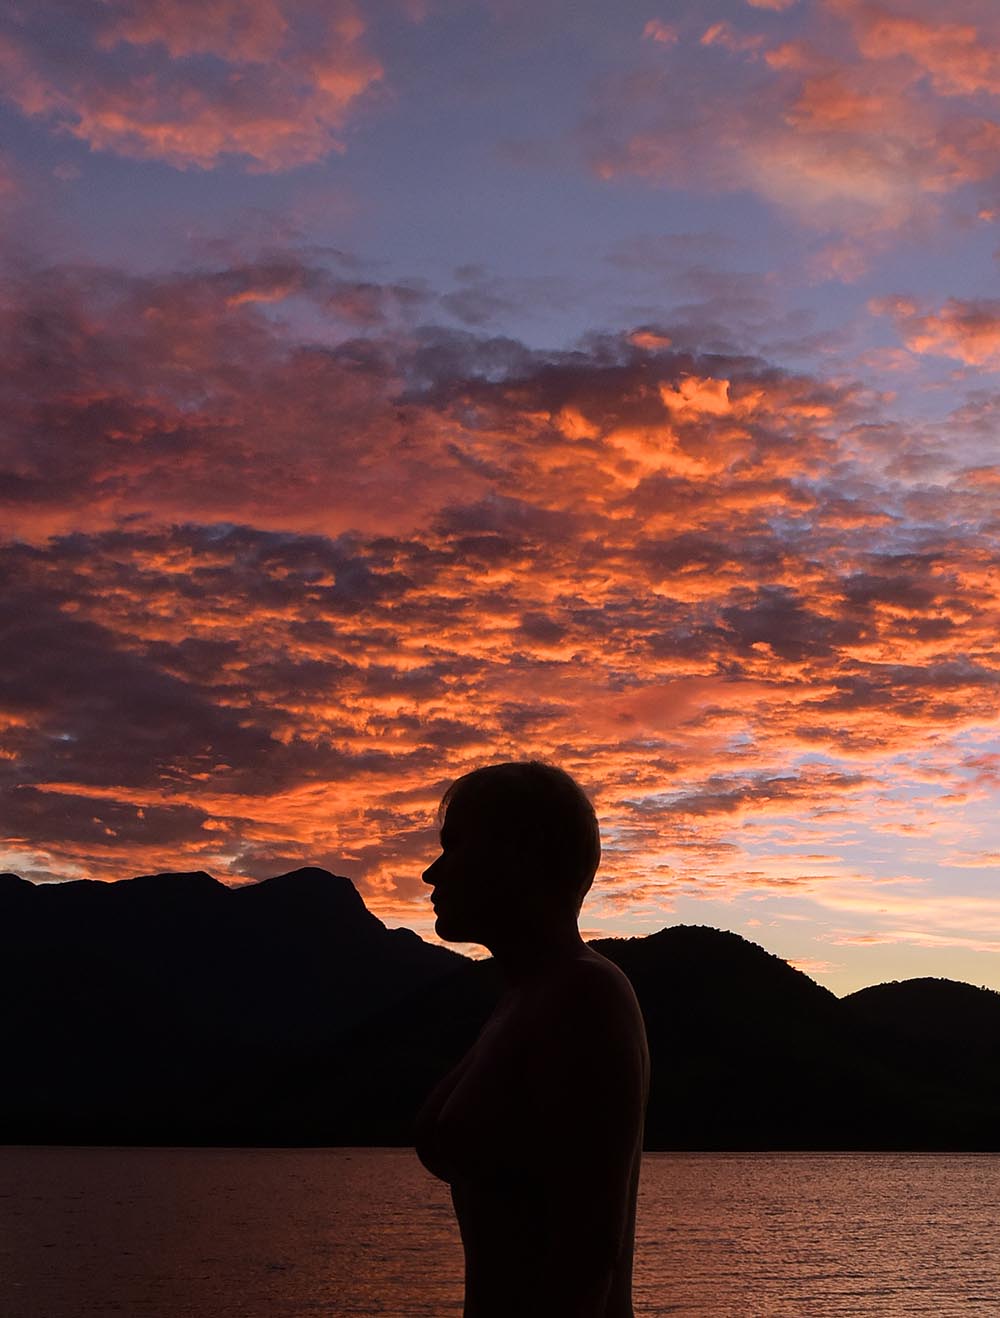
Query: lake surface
x=278, y=1233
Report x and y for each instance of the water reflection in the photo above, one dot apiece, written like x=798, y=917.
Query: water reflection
x=279, y=1233
x=818, y=1235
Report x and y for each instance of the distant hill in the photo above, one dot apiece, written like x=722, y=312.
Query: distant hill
x=745, y=1050
x=942, y=1037
x=173, y=1009
x=172, y=1004
x=939, y=1012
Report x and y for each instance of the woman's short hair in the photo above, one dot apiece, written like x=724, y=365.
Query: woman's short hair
x=543, y=809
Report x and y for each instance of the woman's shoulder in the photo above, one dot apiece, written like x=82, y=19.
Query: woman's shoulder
x=591, y=980
x=588, y=1004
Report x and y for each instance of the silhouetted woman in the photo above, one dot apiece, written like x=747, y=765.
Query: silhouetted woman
x=538, y=1130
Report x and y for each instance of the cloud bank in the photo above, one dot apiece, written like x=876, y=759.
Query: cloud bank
x=267, y=593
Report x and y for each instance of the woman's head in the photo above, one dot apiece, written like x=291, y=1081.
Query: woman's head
x=524, y=822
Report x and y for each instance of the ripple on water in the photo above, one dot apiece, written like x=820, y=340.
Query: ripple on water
x=284, y=1233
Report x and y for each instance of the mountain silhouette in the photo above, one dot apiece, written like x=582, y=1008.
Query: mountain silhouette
x=938, y=1012
x=171, y=1008
x=943, y=1038
x=740, y=1042
x=173, y=1002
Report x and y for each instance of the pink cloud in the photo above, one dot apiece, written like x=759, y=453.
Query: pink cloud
x=663, y=33
x=868, y=121
x=725, y=35
x=967, y=329
x=231, y=29
x=960, y=58
x=812, y=965
x=269, y=82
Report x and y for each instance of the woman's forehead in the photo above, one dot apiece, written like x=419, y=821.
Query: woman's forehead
x=457, y=813
x=469, y=808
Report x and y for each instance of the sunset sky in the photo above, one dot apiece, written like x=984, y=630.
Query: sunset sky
x=393, y=387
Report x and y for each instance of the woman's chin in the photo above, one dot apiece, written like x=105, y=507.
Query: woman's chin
x=451, y=931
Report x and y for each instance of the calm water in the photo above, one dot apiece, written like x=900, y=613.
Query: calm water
x=277, y=1233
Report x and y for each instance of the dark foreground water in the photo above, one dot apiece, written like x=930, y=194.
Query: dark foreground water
x=278, y=1233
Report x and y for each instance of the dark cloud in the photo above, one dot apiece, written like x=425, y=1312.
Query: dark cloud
x=96, y=712
x=726, y=796
x=776, y=617
x=98, y=823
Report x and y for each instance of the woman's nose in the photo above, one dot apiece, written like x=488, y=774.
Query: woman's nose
x=427, y=875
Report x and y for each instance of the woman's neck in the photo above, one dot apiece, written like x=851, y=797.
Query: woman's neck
x=529, y=954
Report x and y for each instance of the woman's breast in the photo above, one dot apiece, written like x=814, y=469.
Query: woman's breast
x=474, y=1142
x=476, y=1125
x=430, y=1135
x=435, y=1158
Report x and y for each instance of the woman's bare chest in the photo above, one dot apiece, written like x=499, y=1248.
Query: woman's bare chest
x=480, y=1116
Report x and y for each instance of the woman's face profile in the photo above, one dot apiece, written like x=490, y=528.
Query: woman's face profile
x=467, y=880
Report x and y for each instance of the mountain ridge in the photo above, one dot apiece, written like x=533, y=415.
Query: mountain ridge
x=316, y=874
x=174, y=1008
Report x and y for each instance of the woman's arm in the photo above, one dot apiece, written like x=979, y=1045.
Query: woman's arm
x=590, y=1112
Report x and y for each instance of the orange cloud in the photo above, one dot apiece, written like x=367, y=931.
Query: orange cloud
x=265, y=596
x=967, y=329
x=137, y=84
